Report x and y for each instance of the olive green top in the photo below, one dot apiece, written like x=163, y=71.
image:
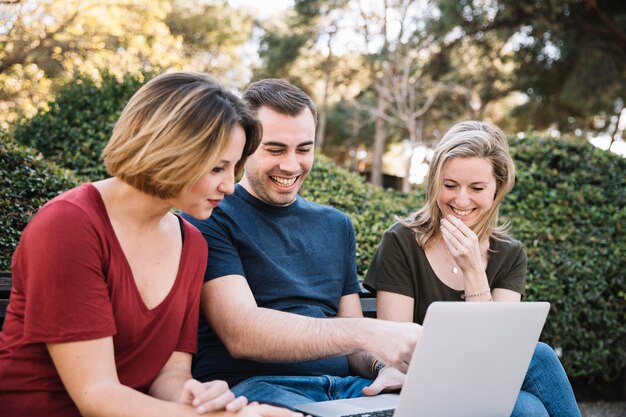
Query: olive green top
x=400, y=266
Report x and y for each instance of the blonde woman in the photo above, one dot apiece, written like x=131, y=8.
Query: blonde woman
x=102, y=317
x=454, y=250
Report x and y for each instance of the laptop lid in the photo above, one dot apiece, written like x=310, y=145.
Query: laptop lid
x=470, y=362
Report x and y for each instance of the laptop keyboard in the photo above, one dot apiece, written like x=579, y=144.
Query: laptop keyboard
x=379, y=413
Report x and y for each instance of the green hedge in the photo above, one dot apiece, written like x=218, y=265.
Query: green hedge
x=27, y=181
x=569, y=208
x=77, y=125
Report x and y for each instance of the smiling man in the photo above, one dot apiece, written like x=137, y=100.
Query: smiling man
x=282, y=320
x=275, y=174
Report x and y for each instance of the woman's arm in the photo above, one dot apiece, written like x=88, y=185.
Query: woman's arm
x=168, y=385
x=175, y=383
x=394, y=307
x=502, y=294
x=87, y=369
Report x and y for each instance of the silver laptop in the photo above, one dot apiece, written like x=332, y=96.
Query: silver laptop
x=470, y=362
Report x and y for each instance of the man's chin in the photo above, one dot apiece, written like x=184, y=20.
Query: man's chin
x=283, y=199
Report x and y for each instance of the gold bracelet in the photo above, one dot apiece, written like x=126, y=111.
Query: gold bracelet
x=476, y=294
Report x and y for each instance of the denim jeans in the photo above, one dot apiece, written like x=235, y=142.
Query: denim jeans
x=546, y=390
x=288, y=391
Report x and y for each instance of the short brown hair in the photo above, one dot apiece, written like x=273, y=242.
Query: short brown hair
x=173, y=130
x=280, y=96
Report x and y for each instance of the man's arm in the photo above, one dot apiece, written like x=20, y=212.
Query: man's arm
x=364, y=363
x=360, y=362
x=252, y=332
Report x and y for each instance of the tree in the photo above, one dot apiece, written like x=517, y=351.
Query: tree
x=301, y=50
x=408, y=95
x=350, y=131
x=393, y=53
x=43, y=43
x=285, y=38
x=567, y=57
x=213, y=36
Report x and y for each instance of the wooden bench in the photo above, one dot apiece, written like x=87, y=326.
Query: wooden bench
x=5, y=290
x=368, y=302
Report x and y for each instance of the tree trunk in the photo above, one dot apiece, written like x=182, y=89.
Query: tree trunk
x=415, y=137
x=321, y=123
x=380, y=139
x=616, y=130
x=323, y=110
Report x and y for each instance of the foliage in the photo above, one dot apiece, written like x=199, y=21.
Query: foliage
x=213, y=36
x=569, y=208
x=77, y=125
x=285, y=42
x=43, y=43
x=278, y=50
x=348, y=129
x=27, y=181
x=568, y=57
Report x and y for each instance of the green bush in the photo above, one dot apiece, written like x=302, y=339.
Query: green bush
x=569, y=208
x=77, y=125
x=27, y=181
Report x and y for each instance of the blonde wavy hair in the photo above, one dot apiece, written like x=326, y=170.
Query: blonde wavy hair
x=469, y=139
x=174, y=130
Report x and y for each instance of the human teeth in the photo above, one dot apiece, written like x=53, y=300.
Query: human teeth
x=285, y=182
x=462, y=212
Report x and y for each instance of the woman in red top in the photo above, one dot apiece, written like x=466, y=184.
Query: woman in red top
x=103, y=314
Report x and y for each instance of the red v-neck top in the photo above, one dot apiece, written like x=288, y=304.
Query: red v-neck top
x=71, y=282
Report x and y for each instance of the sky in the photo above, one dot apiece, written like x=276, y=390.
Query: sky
x=265, y=8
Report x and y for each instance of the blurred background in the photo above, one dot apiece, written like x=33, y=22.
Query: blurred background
x=388, y=76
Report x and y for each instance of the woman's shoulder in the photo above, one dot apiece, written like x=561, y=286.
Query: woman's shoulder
x=72, y=208
x=402, y=236
x=401, y=230
x=506, y=244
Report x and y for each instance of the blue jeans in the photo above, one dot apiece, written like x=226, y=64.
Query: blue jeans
x=289, y=391
x=546, y=391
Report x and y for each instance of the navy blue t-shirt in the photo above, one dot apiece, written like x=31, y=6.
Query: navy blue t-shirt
x=299, y=259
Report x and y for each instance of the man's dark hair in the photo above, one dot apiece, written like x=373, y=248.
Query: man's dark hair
x=280, y=96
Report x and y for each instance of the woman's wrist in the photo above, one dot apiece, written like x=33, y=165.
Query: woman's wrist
x=484, y=295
